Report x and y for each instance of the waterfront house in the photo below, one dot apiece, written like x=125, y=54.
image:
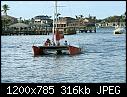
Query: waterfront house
x=113, y=21
x=111, y=24
x=70, y=25
x=65, y=24
x=42, y=23
x=19, y=28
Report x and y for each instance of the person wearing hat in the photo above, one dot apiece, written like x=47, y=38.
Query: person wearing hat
x=65, y=43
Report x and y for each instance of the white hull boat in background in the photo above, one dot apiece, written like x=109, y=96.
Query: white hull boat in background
x=119, y=30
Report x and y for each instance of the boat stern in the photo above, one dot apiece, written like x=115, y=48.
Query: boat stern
x=74, y=50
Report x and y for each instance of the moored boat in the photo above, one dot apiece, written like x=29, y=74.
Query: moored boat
x=119, y=30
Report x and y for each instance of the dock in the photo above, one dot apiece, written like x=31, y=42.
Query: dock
x=81, y=29
x=30, y=32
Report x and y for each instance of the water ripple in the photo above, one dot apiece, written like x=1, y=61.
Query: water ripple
x=103, y=60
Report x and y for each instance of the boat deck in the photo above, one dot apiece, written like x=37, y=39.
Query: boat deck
x=54, y=47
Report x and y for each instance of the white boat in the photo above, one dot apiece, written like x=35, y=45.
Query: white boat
x=119, y=30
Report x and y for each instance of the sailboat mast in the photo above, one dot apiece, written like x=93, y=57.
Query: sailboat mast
x=55, y=20
x=56, y=13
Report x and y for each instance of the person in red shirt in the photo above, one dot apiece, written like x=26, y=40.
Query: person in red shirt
x=48, y=42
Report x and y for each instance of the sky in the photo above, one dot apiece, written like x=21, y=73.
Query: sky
x=100, y=9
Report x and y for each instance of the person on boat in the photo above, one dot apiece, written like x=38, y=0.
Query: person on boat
x=48, y=42
x=58, y=43
x=53, y=43
x=65, y=43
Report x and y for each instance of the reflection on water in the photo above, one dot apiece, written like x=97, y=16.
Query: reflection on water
x=102, y=60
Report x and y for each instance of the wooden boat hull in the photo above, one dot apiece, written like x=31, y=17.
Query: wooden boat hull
x=37, y=50
x=42, y=50
x=74, y=50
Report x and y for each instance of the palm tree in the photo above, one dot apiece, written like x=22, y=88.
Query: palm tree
x=81, y=19
x=81, y=16
x=6, y=20
x=76, y=16
x=5, y=8
x=124, y=15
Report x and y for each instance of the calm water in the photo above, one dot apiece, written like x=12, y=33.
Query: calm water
x=103, y=60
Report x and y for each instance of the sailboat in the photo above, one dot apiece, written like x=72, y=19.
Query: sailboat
x=55, y=47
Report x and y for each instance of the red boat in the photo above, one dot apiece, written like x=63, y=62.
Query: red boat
x=43, y=50
x=57, y=48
